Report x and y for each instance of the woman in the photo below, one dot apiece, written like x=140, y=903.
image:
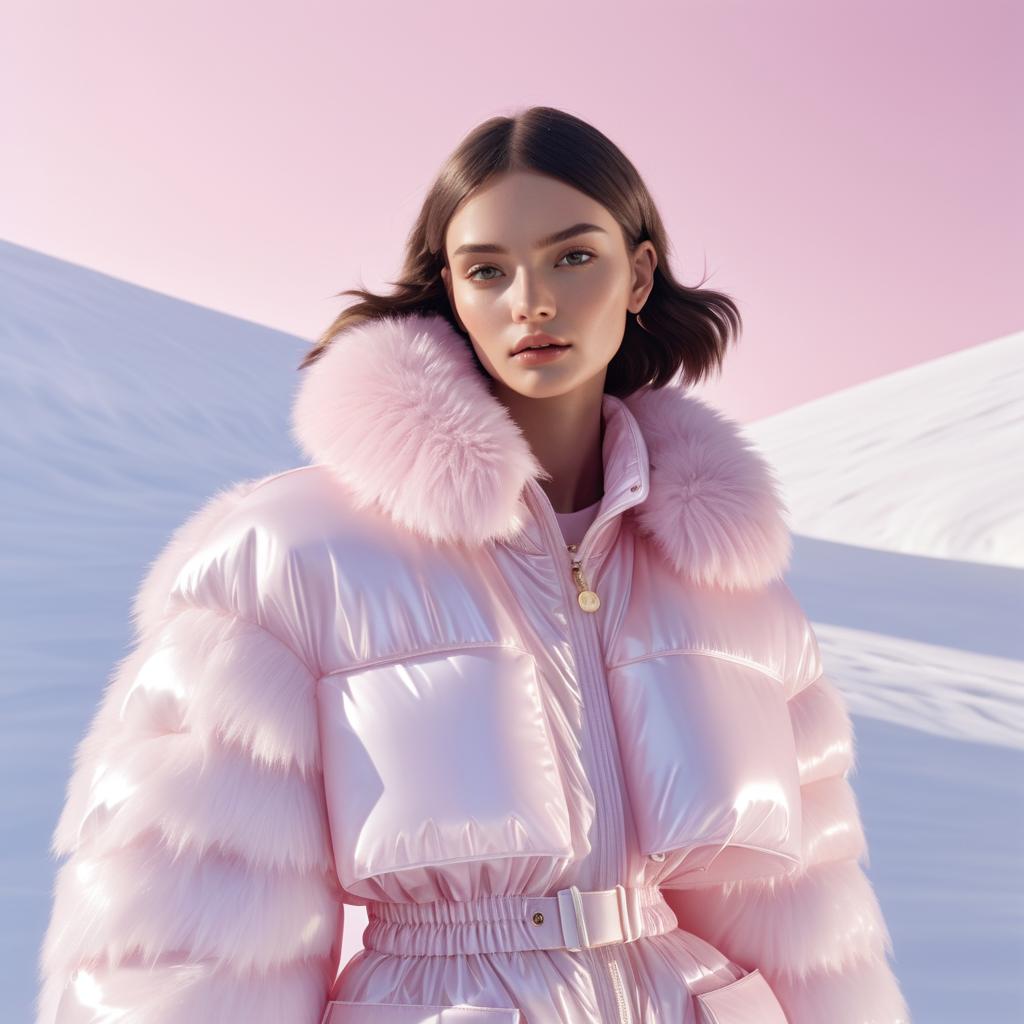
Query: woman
x=511, y=663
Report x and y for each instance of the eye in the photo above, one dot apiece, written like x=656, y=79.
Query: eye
x=471, y=275
x=579, y=252
x=480, y=267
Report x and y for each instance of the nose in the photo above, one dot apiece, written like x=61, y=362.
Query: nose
x=531, y=300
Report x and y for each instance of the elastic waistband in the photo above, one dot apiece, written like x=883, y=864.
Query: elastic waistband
x=572, y=919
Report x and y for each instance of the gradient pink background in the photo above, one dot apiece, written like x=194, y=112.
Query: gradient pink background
x=849, y=172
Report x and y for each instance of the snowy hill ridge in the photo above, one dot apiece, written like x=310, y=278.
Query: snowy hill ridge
x=924, y=461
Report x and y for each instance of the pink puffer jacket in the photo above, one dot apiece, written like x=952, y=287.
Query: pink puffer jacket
x=569, y=786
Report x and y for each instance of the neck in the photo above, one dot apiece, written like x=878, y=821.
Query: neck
x=566, y=436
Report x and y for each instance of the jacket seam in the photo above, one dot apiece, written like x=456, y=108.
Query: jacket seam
x=418, y=652
x=460, y=859
x=718, y=655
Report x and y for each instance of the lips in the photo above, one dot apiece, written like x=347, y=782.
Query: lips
x=534, y=341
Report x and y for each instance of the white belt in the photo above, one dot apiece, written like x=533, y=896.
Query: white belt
x=577, y=920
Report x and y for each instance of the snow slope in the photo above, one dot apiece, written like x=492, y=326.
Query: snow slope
x=126, y=409
x=925, y=461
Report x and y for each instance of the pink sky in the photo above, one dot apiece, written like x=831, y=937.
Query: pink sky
x=849, y=172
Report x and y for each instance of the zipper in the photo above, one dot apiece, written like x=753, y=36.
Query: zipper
x=583, y=631
x=625, y=1016
x=586, y=647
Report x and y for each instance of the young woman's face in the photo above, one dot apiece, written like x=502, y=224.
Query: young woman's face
x=576, y=289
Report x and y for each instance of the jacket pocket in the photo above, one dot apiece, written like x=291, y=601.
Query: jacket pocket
x=342, y=1012
x=748, y=1000
x=710, y=764
x=444, y=757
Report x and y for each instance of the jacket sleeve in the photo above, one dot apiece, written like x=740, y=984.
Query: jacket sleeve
x=200, y=885
x=818, y=934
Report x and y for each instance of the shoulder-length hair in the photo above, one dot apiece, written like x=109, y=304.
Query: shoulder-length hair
x=679, y=326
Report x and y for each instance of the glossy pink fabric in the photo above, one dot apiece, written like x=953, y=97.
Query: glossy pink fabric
x=328, y=706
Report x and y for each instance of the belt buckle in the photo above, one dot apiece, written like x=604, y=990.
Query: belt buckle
x=570, y=907
x=625, y=922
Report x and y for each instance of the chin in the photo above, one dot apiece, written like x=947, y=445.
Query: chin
x=543, y=389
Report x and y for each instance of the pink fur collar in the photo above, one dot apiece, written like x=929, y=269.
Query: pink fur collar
x=398, y=410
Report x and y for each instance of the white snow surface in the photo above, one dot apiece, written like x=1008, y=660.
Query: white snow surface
x=924, y=461
x=125, y=410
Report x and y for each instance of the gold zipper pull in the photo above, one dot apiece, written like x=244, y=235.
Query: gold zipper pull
x=588, y=599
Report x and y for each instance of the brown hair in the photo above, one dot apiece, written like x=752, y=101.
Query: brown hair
x=678, y=327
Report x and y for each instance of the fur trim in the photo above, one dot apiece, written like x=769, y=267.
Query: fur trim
x=145, y=900
x=246, y=686
x=830, y=823
x=400, y=413
x=823, y=917
x=867, y=990
x=176, y=991
x=398, y=410
x=714, y=506
x=823, y=732
x=201, y=797
x=226, y=682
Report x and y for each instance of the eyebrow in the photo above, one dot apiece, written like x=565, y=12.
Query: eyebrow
x=558, y=236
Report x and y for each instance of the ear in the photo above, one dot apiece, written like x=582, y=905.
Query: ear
x=447, y=278
x=645, y=260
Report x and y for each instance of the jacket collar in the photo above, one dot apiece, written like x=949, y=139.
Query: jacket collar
x=398, y=410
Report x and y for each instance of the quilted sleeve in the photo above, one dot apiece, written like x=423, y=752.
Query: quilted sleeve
x=818, y=935
x=199, y=886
